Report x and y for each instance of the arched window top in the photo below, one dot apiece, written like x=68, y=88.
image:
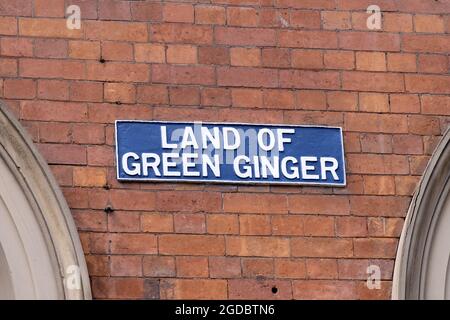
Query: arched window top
x=39, y=244
x=422, y=269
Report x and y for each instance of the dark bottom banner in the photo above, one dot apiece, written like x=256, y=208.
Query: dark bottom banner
x=222, y=309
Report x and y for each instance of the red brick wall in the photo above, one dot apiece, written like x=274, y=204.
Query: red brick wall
x=232, y=60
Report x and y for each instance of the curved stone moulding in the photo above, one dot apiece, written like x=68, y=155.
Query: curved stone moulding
x=422, y=269
x=40, y=251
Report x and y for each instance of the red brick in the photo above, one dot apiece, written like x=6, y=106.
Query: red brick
x=152, y=94
x=89, y=177
x=124, y=93
x=312, y=204
x=429, y=23
x=181, y=33
x=288, y=225
x=377, y=164
x=281, y=99
x=189, y=201
x=388, y=206
x=311, y=100
x=406, y=185
x=194, y=289
x=351, y=227
x=191, y=245
x=254, y=225
x=357, y=268
x=55, y=132
x=213, y=55
x=203, y=75
x=39, y=68
x=305, y=19
x=177, y=12
x=318, y=226
x=84, y=49
x=156, y=266
x=248, y=98
x=118, y=288
x=224, y=267
x=433, y=63
x=48, y=28
x=188, y=96
x=375, y=248
x=54, y=111
x=251, y=77
x=8, y=67
x=49, y=8
x=402, y=62
x=118, y=51
x=249, y=57
x=254, y=203
x=307, y=59
x=245, y=37
x=100, y=156
x=339, y=60
x=114, y=10
x=257, y=267
x=306, y=4
x=427, y=84
x=343, y=101
x=309, y=79
x=308, y=39
x=290, y=268
x=97, y=265
x=425, y=43
x=184, y=54
x=321, y=247
x=189, y=223
x=222, y=224
x=16, y=47
x=379, y=185
x=157, y=223
x=19, y=89
x=117, y=71
x=208, y=14
x=371, y=61
x=436, y=105
x=405, y=103
x=369, y=81
x=397, y=22
x=321, y=268
x=257, y=289
x=216, y=97
x=336, y=20
x=149, y=52
x=257, y=246
x=242, y=16
x=87, y=7
x=127, y=243
x=8, y=26
x=63, y=154
x=126, y=266
x=369, y=41
x=124, y=221
x=86, y=91
x=123, y=31
x=423, y=125
x=146, y=11
x=277, y=58
x=192, y=267
x=373, y=102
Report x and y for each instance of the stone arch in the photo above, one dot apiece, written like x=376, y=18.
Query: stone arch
x=422, y=268
x=40, y=251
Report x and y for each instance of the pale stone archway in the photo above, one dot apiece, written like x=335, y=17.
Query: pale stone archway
x=40, y=252
x=422, y=269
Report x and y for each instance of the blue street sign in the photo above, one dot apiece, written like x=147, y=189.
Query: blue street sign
x=229, y=153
